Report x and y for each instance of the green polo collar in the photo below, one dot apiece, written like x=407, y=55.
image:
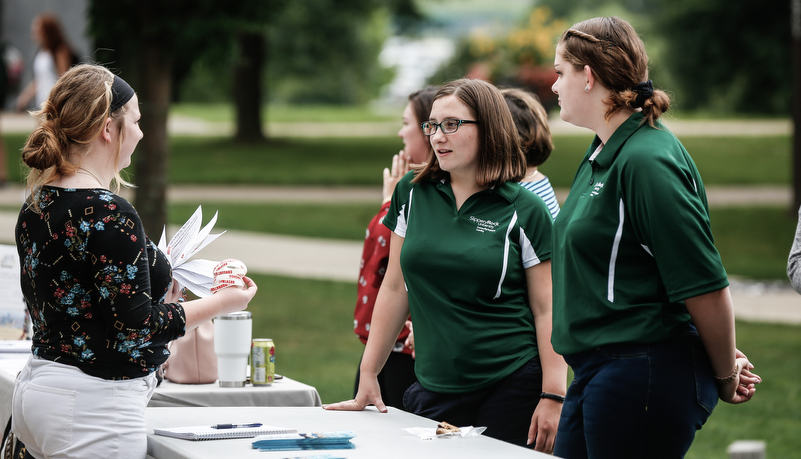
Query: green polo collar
x=506, y=190
x=619, y=137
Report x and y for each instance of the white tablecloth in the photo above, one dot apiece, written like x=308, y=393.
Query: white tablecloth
x=378, y=435
x=284, y=392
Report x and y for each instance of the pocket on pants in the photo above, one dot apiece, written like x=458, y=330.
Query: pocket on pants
x=705, y=387
x=48, y=415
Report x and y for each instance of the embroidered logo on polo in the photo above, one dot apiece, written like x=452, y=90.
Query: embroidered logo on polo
x=598, y=187
x=484, y=226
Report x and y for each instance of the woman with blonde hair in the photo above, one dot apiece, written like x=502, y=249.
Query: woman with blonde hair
x=99, y=293
x=642, y=310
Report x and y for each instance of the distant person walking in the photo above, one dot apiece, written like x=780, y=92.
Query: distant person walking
x=54, y=57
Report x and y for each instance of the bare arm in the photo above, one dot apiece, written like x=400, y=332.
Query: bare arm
x=545, y=420
x=26, y=95
x=389, y=316
x=222, y=302
x=63, y=59
x=713, y=316
x=794, y=260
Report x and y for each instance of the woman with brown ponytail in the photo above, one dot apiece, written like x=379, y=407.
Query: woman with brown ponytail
x=99, y=293
x=641, y=306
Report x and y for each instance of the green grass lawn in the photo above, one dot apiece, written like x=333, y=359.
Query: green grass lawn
x=286, y=114
x=774, y=414
x=334, y=221
x=754, y=242
x=311, y=322
x=359, y=161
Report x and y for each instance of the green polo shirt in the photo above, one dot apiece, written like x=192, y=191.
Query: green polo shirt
x=465, y=276
x=632, y=241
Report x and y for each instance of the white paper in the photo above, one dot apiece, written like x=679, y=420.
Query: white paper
x=12, y=306
x=195, y=275
x=430, y=433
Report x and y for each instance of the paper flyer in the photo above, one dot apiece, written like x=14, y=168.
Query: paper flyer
x=195, y=275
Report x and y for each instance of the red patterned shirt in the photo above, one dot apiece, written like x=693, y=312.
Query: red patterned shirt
x=375, y=258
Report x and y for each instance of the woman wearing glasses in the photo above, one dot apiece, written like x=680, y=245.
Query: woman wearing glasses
x=469, y=257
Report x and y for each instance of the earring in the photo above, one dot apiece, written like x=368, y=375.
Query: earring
x=587, y=88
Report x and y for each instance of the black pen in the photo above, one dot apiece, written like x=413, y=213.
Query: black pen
x=235, y=426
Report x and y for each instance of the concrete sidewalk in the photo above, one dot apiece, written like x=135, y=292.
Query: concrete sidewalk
x=181, y=125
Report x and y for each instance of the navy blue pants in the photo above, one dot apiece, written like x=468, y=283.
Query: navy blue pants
x=505, y=408
x=637, y=401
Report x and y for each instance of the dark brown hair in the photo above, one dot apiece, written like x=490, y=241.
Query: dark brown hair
x=499, y=156
x=52, y=33
x=421, y=102
x=616, y=56
x=531, y=120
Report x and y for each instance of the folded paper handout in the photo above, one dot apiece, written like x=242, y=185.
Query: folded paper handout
x=196, y=275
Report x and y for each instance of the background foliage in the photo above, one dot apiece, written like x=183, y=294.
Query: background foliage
x=728, y=55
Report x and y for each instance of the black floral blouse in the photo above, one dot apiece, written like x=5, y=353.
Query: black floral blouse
x=94, y=284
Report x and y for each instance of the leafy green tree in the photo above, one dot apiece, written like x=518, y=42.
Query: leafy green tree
x=728, y=54
x=522, y=57
x=145, y=40
x=326, y=51
x=324, y=47
x=721, y=55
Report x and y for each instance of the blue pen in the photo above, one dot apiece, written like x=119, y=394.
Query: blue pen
x=235, y=426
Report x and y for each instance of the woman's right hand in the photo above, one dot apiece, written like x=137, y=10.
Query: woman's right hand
x=236, y=299
x=410, y=338
x=743, y=387
x=400, y=166
x=369, y=394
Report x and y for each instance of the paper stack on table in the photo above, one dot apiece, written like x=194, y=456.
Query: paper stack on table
x=305, y=441
x=199, y=433
x=195, y=275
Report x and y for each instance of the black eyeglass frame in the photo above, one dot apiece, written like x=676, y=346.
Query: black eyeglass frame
x=439, y=125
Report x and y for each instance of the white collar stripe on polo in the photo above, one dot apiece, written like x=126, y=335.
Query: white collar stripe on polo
x=610, y=293
x=506, y=243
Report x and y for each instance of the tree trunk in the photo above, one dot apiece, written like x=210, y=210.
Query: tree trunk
x=247, y=86
x=153, y=65
x=795, y=30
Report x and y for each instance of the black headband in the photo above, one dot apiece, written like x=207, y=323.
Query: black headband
x=121, y=93
x=644, y=92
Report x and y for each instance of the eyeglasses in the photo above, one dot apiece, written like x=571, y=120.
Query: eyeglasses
x=448, y=126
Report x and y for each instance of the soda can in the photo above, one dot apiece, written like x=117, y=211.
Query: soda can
x=262, y=362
